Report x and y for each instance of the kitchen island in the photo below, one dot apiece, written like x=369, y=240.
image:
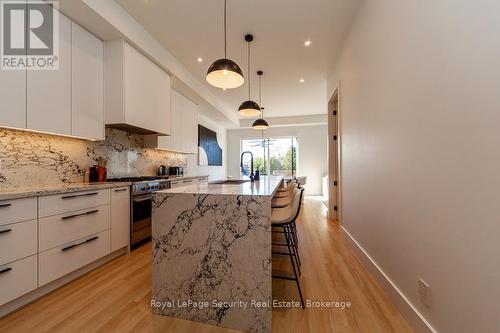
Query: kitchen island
x=212, y=253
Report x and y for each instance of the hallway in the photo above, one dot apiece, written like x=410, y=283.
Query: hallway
x=116, y=296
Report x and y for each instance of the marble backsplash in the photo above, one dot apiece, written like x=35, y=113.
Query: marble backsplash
x=33, y=159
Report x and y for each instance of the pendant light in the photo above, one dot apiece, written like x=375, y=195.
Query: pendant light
x=249, y=108
x=225, y=73
x=261, y=123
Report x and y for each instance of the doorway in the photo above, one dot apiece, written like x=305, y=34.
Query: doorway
x=334, y=159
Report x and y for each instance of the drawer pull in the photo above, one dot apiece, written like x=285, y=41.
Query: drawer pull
x=78, y=244
x=76, y=215
x=5, y=270
x=5, y=231
x=5, y=205
x=187, y=181
x=79, y=195
x=120, y=190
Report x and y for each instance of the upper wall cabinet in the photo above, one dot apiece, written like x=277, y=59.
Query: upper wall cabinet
x=189, y=116
x=87, y=84
x=49, y=91
x=13, y=98
x=66, y=101
x=184, y=134
x=137, y=91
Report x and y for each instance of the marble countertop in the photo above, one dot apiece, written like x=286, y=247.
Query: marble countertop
x=35, y=191
x=266, y=186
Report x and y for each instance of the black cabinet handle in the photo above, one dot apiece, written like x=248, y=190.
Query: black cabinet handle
x=120, y=190
x=78, y=244
x=79, y=195
x=5, y=205
x=187, y=181
x=5, y=270
x=5, y=231
x=81, y=214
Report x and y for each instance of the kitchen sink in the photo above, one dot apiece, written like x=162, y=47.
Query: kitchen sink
x=231, y=181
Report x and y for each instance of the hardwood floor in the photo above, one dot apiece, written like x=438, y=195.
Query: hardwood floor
x=116, y=296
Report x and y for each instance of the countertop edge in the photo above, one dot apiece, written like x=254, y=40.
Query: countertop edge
x=18, y=193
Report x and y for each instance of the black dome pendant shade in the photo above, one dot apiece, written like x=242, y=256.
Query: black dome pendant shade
x=261, y=123
x=225, y=73
x=249, y=108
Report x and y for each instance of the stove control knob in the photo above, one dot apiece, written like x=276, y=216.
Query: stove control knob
x=142, y=188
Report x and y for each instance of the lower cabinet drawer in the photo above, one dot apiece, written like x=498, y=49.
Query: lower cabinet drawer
x=18, y=278
x=64, y=203
x=64, y=228
x=64, y=259
x=18, y=240
x=17, y=210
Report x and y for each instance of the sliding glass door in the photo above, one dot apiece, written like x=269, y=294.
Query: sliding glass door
x=272, y=156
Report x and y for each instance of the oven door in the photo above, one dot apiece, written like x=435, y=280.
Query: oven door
x=141, y=218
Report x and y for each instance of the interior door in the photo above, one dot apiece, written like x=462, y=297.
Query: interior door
x=333, y=159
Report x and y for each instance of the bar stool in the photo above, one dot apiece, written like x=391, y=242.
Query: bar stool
x=285, y=193
x=286, y=185
x=284, y=218
x=283, y=201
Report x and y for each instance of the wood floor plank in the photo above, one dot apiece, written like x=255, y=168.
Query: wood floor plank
x=116, y=296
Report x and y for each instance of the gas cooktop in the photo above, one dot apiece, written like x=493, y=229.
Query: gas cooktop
x=134, y=179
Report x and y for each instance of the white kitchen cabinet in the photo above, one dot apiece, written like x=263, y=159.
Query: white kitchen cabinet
x=18, y=210
x=184, y=134
x=13, y=98
x=87, y=112
x=56, y=204
x=18, y=240
x=60, y=229
x=120, y=218
x=18, y=278
x=69, y=257
x=176, y=135
x=189, y=116
x=48, y=100
x=137, y=91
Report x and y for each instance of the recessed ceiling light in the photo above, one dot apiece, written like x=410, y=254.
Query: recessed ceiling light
x=307, y=43
x=301, y=80
x=200, y=59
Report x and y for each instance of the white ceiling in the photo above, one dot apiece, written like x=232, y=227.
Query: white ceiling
x=193, y=28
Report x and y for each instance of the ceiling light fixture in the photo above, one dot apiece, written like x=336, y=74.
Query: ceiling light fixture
x=225, y=73
x=307, y=43
x=301, y=80
x=261, y=123
x=249, y=108
x=200, y=59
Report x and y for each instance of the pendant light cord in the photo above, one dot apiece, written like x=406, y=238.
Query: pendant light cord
x=260, y=97
x=249, y=71
x=225, y=28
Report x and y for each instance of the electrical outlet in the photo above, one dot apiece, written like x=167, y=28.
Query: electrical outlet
x=424, y=291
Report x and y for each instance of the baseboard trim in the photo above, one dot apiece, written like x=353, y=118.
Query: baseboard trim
x=45, y=289
x=416, y=320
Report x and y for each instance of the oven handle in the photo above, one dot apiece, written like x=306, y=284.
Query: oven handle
x=142, y=198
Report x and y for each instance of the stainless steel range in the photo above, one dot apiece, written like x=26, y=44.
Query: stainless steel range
x=140, y=205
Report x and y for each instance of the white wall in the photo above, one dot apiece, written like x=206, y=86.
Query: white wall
x=420, y=105
x=312, y=151
x=214, y=172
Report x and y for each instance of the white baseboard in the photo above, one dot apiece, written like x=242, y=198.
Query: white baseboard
x=44, y=290
x=416, y=320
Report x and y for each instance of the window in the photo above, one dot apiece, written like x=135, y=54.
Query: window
x=272, y=156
